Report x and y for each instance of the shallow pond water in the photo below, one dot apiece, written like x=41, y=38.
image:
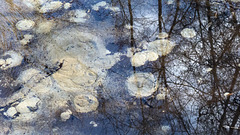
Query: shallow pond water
x=93, y=67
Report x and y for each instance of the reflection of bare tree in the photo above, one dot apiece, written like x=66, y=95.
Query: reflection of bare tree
x=134, y=117
x=208, y=52
x=197, y=73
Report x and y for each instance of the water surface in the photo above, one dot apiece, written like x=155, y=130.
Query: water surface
x=111, y=67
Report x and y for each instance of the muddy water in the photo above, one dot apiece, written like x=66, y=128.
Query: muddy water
x=119, y=67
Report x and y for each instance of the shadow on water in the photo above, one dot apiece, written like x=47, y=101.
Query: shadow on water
x=190, y=47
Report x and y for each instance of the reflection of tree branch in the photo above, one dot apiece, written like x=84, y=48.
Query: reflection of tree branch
x=179, y=115
x=122, y=7
x=131, y=29
x=175, y=18
x=228, y=43
x=160, y=15
x=200, y=23
x=235, y=119
x=228, y=99
x=212, y=53
x=131, y=22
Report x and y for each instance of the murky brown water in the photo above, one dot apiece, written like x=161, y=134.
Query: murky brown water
x=92, y=67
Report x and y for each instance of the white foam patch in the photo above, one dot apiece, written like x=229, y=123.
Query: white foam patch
x=34, y=4
x=105, y=5
x=235, y=1
x=141, y=84
x=26, y=39
x=14, y=60
x=86, y=47
x=78, y=16
x=74, y=75
x=98, y=5
x=24, y=106
x=85, y=103
x=188, y=33
x=140, y=58
x=66, y=115
x=51, y=6
x=25, y=24
x=162, y=35
x=10, y=112
x=45, y=26
x=162, y=46
x=67, y=5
